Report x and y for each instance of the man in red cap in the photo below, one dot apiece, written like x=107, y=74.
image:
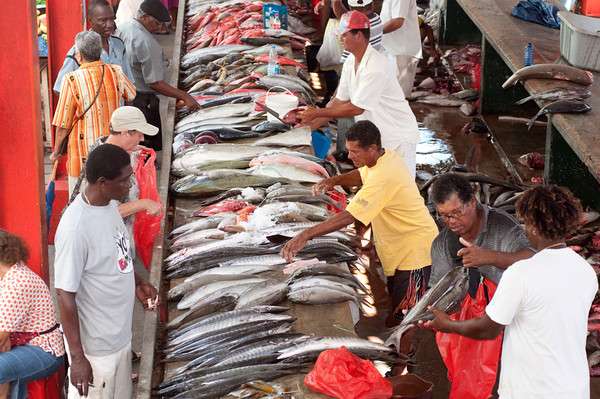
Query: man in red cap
x=369, y=90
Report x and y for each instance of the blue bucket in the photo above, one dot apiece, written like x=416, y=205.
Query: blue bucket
x=321, y=143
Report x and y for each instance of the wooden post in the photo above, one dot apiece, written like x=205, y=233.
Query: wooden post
x=22, y=203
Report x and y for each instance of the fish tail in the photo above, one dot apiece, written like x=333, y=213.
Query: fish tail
x=524, y=100
x=532, y=120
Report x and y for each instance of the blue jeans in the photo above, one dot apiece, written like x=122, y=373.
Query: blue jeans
x=23, y=364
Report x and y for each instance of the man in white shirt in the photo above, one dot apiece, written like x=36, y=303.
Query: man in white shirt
x=368, y=90
x=402, y=38
x=542, y=304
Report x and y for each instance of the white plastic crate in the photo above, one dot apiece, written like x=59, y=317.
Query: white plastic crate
x=580, y=40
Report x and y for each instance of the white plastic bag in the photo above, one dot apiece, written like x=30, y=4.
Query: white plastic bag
x=331, y=50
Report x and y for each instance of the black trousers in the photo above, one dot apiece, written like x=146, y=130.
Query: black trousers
x=148, y=103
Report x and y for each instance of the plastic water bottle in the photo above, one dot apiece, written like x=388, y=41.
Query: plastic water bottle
x=273, y=68
x=529, y=54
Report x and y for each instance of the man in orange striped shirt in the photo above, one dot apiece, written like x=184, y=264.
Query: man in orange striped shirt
x=88, y=97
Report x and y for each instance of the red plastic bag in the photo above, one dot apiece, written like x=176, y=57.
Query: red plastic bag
x=472, y=364
x=341, y=374
x=145, y=226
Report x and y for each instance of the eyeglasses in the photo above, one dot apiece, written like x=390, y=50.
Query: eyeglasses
x=455, y=215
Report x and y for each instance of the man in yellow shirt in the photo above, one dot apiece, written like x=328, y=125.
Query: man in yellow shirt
x=389, y=200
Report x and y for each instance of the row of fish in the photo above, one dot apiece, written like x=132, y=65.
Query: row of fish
x=245, y=185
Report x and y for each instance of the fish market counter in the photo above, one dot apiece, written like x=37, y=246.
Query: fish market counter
x=504, y=39
x=172, y=338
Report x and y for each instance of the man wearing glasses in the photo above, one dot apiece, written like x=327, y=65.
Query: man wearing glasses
x=145, y=56
x=473, y=235
x=486, y=241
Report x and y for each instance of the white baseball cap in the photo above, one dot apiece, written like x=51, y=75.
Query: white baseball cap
x=131, y=118
x=359, y=3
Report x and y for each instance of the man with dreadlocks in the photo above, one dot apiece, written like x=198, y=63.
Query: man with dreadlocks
x=541, y=304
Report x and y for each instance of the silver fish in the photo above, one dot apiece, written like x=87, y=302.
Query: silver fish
x=269, y=295
x=559, y=93
x=293, y=138
x=313, y=347
x=233, y=286
x=441, y=100
x=446, y=296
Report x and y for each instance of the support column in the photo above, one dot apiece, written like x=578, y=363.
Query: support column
x=563, y=167
x=65, y=18
x=494, y=72
x=22, y=202
x=456, y=26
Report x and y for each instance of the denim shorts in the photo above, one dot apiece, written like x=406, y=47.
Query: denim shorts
x=23, y=364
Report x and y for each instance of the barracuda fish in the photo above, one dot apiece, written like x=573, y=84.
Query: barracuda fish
x=560, y=107
x=215, y=303
x=192, y=264
x=207, y=329
x=208, y=54
x=293, y=160
x=186, y=289
x=264, y=352
x=441, y=100
x=266, y=49
x=559, y=93
x=293, y=138
x=446, y=296
x=289, y=172
x=218, y=384
x=551, y=71
x=320, y=295
x=269, y=295
x=197, y=225
x=268, y=214
x=231, y=286
x=287, y=190
x=311, y=349
x=229, y=338
x=311, y=282
x=271, y=82
x=221, y=111
x=215, y=181
x=198, y=156
x=197, y=237
x=307, y=199
x=252, y=261
x=231, y=122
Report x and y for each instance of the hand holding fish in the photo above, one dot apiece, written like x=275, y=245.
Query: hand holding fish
x=147, y=295
x=191, y=103
x=472, y=255
x=293, y=246
x=441, y=322
x=308, y=115
x=323, y=186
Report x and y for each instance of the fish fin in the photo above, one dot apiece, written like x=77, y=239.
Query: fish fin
x=524, y=100
x=535, y=118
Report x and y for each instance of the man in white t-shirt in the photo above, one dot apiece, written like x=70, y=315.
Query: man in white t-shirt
x=402, y=38
x=95, y=281
x=368, y=90
x=542, y=303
